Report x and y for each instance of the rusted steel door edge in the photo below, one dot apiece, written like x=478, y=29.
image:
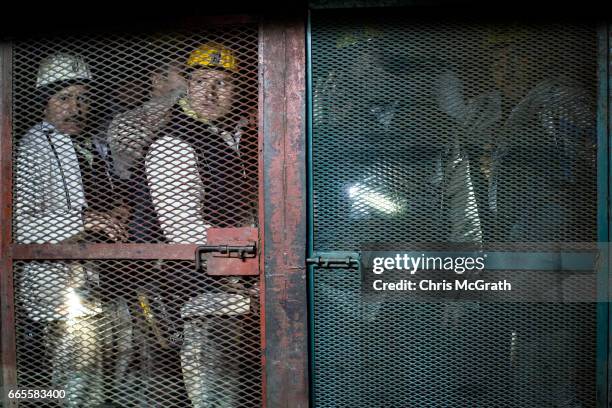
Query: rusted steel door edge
x=7, y=304
x=282, y=121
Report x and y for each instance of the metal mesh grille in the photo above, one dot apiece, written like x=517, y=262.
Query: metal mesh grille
x=389, y=353
x=140, y=139
x=131, y=140
x=450, y=132
x=137, y=334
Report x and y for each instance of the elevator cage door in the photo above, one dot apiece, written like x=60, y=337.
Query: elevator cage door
x=444, y=131
x=127, y=149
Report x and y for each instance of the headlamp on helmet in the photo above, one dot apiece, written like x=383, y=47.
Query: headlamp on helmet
x=60, y=68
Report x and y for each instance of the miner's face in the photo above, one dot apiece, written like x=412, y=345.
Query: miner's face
x=211, y=93
x=68, y=109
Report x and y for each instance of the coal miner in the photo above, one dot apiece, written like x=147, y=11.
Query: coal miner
x=536, y=129
x=189, y=142
x=60, y=174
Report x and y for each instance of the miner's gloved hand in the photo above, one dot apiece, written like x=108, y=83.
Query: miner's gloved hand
x=121, y=212
x=107, y=224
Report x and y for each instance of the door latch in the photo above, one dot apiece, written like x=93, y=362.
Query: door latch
x=242, y=252
x=328, y=262
x=231, y=252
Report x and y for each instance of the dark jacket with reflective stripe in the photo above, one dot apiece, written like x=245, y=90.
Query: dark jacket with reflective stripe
x=230, y=188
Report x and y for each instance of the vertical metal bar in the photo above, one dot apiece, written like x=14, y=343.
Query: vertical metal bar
x=283, y=56
x=310, y=186
x=603, y=218
x=7, y=304
x=262, y=213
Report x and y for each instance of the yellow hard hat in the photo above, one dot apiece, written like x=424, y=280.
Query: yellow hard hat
x=213, y=55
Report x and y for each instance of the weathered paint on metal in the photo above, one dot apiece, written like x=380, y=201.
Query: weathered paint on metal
x=221, y=265
x=284, y=137
x=7, y=305
x=105, y=251
x=262, y=214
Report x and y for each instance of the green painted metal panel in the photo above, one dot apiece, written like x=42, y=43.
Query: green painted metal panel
x=603, y=216
x=448, y=131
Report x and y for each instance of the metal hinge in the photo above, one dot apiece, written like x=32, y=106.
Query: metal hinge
x=335, y=260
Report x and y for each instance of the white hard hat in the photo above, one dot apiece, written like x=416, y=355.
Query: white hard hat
x=62, y=67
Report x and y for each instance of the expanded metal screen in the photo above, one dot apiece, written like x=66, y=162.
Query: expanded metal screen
x=393, y=353
x=424, y=115
x=140, y=129
x=138, y=139
x=430, y=131
x=138, y=334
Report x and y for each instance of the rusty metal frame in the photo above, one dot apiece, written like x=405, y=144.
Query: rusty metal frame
x=7, y=304
x=282, y=190
x=283, y=81
x=103, y=251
